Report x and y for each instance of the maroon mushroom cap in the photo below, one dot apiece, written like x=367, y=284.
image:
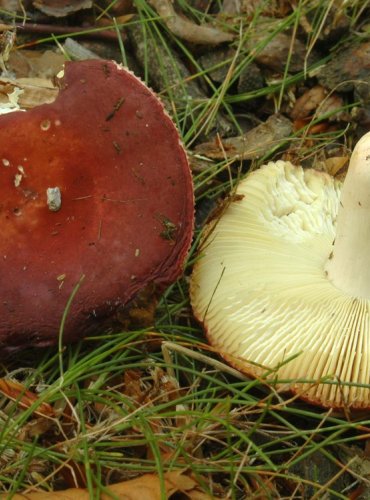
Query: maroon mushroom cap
x=96, y=184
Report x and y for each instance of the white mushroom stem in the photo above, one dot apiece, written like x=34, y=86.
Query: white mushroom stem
x=348, y=267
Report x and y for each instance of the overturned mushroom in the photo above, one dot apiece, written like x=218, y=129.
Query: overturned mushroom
x=95, y=185
x=277, y=297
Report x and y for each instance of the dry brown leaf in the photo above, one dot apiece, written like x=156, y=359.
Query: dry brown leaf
x=252, y=144
x=331, y=106
x=273, y=8
x=121, y=7
x=139, y=313
x=336, y=165
x=34, y=91
x=15, y=5
x=35, y=428
x=316, y=101
x=134, y=388
x=187, y=30
x=33, y=63
x=146, y=487
x=347, y=69
x=77, y=51
x=61, y=8
x=74, y=474
x=25, y=398
x=308, y=102
x=280, y=51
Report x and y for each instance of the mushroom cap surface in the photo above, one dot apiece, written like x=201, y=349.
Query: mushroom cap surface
x=94, y=185
x=261, y=291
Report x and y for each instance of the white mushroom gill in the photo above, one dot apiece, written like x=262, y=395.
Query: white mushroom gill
x=261, y=288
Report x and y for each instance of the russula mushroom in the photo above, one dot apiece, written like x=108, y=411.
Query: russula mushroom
x=282, y=284
x=95, y=185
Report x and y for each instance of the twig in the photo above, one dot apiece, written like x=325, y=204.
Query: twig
x=64, y=31
x=185, y=29
x=218, y=365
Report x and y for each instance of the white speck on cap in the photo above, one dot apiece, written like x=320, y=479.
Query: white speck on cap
x=54, y=198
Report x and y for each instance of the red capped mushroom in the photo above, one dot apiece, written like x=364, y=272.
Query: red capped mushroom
x=94, y=185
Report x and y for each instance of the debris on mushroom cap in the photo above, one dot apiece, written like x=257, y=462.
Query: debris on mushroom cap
x=261, y=289
x=103, y=191
x=54, y=199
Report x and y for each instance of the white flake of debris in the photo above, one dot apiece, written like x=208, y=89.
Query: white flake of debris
x=12, y=105
x=54, y=198
x=17, y=180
